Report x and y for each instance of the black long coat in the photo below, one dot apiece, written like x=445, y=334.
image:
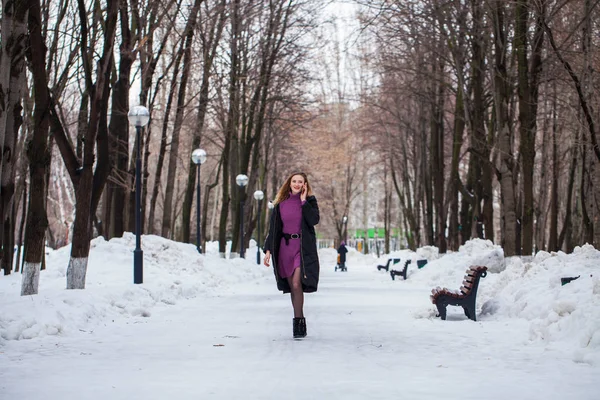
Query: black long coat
x=342, y=250
x=308, y=254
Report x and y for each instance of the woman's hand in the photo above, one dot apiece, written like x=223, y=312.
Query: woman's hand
x=303, y=192
x=267, y=260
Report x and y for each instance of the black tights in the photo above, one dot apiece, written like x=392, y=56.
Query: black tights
x=295, y=282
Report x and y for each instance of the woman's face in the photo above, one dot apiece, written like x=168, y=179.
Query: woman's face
x=296, y=184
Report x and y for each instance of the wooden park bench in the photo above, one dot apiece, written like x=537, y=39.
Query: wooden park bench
x=464, y=297
x=421, y=263
x=394, y=272
x=391, y=261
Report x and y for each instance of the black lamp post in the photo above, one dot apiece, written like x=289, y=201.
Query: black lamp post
x=198, y=157
x=242, y=181
x=139, y=116
x=258, y=195
x=345, y=222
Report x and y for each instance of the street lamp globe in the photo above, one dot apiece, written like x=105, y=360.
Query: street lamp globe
x=241, y=180
x=138, y=116
x=199, y=156
x=345, y=219
x=270, y=205
x=259, y=195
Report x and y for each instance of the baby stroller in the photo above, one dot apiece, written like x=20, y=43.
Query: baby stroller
x=341, y=266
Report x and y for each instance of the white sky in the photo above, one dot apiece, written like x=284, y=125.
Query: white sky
x=201, y=327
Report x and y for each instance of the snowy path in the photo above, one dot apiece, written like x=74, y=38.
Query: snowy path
x=361, y=345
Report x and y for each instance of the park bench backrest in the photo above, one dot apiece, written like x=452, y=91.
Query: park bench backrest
x=471, y=279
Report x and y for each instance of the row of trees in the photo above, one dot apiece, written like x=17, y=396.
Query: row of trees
x=451, y=120
x=487, y=114
x=224, y=75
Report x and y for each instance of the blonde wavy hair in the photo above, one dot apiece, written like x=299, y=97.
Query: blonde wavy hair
x=286, y=189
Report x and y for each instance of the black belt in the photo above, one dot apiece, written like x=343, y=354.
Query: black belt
x=288, y=236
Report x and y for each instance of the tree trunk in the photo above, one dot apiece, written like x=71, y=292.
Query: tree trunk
x=20, y=242
x=38, y=156
x=566, y=233
x=508, y=219
x=181, y=101
x=542, y=197
x=423, y=164
x=528, y=83
x=209, y=52
x=11, y=118
x=162, y=149
x=452, y=196
x=119, y=129
x=437, y=161
x=90, y=183
x=230, y=128
x=483, y=185
x=553, y=234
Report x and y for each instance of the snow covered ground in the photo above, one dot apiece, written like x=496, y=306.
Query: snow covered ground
x=203, y=327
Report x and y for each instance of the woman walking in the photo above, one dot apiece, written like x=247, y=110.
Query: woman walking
x=292, y=242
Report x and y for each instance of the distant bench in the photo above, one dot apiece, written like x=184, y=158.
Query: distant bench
x=391, y=261
x=464, y=297
x=402, y=273
x=421, y=263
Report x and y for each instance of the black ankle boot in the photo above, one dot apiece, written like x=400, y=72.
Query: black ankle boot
x=296, y=328
x=302, y=327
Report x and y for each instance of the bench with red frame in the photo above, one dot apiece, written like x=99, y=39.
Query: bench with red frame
x=464, y=297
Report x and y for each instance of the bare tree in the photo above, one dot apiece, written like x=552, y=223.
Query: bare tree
x=37, y=152
x=12, y=82
x=186, y=51
x=210, y=40
x=506, y=167
x=88, y=183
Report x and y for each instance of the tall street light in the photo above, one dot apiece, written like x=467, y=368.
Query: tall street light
x=242, y=181
x=258, y=195
x=139, y=116
x=345, y=222
x=198, y=158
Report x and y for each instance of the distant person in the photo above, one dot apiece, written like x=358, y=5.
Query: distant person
x=342, y=250
x=293, y=243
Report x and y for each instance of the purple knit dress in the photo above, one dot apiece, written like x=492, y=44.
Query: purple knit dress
x=291, y=216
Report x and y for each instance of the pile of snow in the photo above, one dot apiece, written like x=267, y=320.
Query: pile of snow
x=172, y=271
x=566, y=314
x=513, y=289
